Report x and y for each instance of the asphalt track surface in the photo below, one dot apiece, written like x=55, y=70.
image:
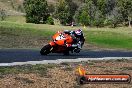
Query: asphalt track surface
x=33, y=55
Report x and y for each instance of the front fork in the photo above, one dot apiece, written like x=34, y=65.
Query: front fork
x=52, y=44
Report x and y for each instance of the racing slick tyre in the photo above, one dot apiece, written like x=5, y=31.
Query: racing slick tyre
x=45, y=50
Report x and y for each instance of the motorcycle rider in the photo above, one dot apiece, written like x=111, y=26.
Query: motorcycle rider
x=78, y=39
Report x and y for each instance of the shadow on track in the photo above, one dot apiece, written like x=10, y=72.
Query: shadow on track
x=23, y=55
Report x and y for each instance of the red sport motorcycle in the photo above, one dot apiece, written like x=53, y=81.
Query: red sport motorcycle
x=59, y=44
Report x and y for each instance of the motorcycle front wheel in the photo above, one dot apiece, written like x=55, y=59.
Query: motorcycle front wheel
x=45, y=50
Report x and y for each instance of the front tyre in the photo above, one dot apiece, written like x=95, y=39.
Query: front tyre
x=45, y=50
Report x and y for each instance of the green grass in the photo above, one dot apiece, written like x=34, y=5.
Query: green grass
x=19, y=19
x=109, y=39
x=23, y=28
x=15, y=33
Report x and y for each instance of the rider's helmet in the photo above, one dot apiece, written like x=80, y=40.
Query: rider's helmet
x=78, y=32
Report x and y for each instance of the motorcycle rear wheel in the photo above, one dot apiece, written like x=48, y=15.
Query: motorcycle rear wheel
x=45, y=50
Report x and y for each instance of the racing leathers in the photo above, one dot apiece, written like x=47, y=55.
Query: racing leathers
x=78, y=40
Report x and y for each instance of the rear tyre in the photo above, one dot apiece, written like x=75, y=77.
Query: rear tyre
x=77, y=50
x=45, y=50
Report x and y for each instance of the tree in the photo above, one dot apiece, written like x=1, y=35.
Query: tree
x=130, y=19
x=50, y=20
x=84, y=18
x=65, y=11
x=98, y=18
x=36, y=11
x=114, y=17
x=51, y=8
x=91, y=8
x=129, y=12
x=62, y=12
x=81, y=15
x=2, y=14
x=101, y=5
x=72, y=8
x=86, y=10
x=126, y=10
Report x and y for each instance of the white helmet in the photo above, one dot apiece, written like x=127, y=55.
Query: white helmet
x=78, y=32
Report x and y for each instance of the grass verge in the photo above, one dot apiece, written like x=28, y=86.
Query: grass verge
x=64, y=74
x=109, y=39
x=23, y=35
x=25, y=69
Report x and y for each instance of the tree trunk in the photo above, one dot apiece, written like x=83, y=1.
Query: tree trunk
x=130, y=24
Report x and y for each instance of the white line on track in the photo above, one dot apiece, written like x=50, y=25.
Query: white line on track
x=58, y=61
